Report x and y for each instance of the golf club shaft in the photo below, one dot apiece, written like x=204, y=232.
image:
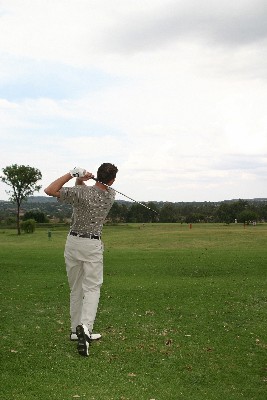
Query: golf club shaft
x=141, y=204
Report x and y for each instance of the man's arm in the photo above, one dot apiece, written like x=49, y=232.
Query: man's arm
x=54, y=188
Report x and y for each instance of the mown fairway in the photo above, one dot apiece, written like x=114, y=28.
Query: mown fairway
x=182, y=314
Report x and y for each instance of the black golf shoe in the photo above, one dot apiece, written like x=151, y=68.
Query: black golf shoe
x=84, y=339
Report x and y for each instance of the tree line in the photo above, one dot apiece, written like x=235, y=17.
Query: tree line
x=242, y=211
x=23, y=182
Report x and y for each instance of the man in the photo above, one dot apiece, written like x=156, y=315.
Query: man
x=84, y=249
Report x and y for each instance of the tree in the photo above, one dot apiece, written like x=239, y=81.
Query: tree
x=228, y=211
x=28, y=226
x=138, y=213
x=247, y=216
x=118, y=213
x=169, y=213
x=37, y=215
x=194, y=217
x=154, y=216
x=23, y=182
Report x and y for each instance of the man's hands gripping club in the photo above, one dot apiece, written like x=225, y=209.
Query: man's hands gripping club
x=81, y=174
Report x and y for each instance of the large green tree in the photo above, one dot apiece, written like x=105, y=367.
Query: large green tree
x=169, y=213
x=229, y=211
x=23, y=182
x=138, y=213
x=36, y=215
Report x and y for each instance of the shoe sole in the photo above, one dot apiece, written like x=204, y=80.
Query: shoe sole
x=83, y=341
x=94, y=337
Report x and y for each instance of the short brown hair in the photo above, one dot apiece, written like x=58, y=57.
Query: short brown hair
x=106, y=172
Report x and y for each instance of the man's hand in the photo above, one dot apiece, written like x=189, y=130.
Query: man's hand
x=78, y=172
x=87, y=175
x=81, y=175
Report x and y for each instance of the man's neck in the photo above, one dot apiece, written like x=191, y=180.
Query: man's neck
x=101, y=186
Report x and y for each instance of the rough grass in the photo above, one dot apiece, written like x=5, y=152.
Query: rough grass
x=182, y=313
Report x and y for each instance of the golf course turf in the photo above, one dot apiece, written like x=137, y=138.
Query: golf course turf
x=182, y=315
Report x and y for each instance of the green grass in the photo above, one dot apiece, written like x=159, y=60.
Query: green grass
x=182, y=314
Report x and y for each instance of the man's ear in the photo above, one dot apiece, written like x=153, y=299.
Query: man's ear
x=111, y=182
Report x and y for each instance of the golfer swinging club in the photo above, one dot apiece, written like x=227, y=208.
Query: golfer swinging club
x=84, y=249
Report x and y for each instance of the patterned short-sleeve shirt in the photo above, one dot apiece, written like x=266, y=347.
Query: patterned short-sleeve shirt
x=90, y=207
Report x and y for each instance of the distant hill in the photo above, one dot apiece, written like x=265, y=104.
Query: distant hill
x=41, y=199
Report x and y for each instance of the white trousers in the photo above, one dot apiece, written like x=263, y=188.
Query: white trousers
x=84, y=266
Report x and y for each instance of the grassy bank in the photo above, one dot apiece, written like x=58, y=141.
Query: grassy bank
x=182, y=314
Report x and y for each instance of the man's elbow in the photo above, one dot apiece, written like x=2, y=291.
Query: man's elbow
x=50, y=192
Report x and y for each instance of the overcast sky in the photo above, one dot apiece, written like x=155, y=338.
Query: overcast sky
x=174, y=92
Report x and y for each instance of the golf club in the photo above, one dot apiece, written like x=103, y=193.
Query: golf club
x=141, y=204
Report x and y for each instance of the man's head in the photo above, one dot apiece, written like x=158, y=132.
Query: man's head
x=106, y=173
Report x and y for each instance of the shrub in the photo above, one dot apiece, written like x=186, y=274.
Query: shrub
x=28, y=226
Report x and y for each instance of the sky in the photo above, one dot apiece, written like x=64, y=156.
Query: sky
x=173, y=92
